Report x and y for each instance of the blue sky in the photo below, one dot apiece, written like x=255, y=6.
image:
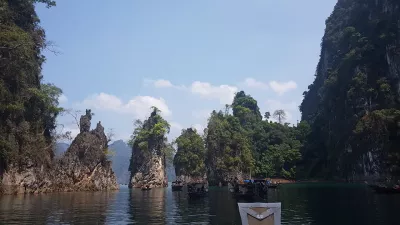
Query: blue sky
x=185, y=57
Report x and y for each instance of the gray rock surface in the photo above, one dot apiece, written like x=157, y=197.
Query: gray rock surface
x=150, y=172
x=84, y=167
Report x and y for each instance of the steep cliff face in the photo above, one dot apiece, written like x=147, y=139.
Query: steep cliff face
x=149, y=147
x=357, y=77
x=84, y=167
x=150, y=172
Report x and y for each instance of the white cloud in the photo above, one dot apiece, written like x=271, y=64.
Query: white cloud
x=253, y=83
x=282, y=87
x=139, y=106
x=163, y=83
x=224, y=93
x=62, y=99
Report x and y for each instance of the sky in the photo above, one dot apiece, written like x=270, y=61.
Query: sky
x=187, y=58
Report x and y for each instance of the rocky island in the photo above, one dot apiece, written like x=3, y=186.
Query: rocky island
x=29, y=109
x=84, y=167
x=149, y=148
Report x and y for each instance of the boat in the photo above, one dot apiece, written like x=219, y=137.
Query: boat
x=177, y=186
x=244, y=189
x=386, y=190
x=261, y=187
x=271, y=184
x=198, y=189
x=258, y=213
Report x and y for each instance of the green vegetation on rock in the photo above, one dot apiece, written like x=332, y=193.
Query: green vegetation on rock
x=353, y=103
x=189, y=158
x=28, y=108
x=149, y=144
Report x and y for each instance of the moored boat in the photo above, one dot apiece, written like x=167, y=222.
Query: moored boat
x=177, y=186
x=261, y=187
x=385, y=189
x=197, y=189
x=244, y=189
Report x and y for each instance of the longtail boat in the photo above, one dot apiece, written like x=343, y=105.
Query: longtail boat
x=197, y=189
x=260, y=213
x=244, y=189
x=386, y=190
x=177, y=185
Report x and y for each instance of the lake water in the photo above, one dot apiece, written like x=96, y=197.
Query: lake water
x=319, y=204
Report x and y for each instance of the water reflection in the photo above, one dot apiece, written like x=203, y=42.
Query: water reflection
x=61, y=208
x=147, y=207
x=331, y=204
x=301, y=204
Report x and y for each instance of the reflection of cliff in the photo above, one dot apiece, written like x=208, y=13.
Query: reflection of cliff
x=62, y=208
x=223, y=204
x=147, y=207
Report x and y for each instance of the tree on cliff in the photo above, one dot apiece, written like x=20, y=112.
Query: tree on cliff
x=228, y=147
x=28, y=108
x=245, y=108
x=148, y=138
x=278, y=149
x=280, y=115
x=243, y=142
x=190, y=155
x=355, y=93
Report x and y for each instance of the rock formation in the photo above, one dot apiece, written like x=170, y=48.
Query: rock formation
x=191, y=179
x=84, y=167
x=148, y=160
x=356, y=86
x=150, y=172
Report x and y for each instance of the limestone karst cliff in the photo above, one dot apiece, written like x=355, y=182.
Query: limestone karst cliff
x=353, y=104
x=148, y=160
x=84, y=167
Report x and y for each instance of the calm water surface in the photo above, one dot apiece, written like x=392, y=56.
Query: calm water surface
x=319, y=204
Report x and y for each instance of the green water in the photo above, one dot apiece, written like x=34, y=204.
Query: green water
x=319, y=204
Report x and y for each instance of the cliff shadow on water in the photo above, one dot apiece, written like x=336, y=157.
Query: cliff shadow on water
x=83, y=167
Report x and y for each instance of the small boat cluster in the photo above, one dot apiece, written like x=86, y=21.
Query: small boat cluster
x=247, y=188
x=194, y=189
x=385, y=188
x=251, y=187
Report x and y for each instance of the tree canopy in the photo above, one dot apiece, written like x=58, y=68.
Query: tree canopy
x=149, y=138
x=190, y=155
